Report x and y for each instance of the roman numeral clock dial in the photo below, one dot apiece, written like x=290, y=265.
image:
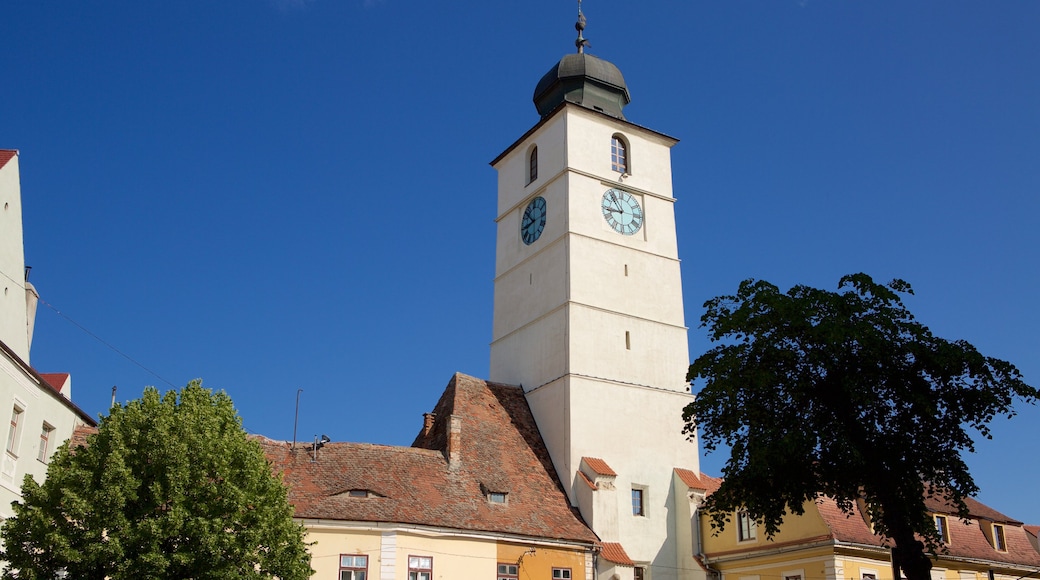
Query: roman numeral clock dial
x=622, y=212
x=533, y=221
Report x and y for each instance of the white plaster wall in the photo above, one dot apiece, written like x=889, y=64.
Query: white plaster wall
x=533, y=355
x=39, y=406
x=13, y=322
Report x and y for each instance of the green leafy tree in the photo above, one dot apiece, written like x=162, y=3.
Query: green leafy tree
x=169, y=487
x=843, y=394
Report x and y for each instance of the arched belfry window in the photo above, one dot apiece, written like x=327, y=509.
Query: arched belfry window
x=619, y=154
x=532, y=165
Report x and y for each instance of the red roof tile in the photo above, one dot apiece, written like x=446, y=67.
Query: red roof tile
x=501, y=450
x=599, y=466
x=6, y=155
x=585, y=478
x=698, y=481
x=55, y=380
x=614, y=552
x=1032, y=530
x=967, y=540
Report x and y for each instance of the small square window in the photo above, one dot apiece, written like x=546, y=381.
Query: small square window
x=638, y=505
x=508, y=571
x=353, y=567
x=561, y=573
x=497, y=496
x=420, y=568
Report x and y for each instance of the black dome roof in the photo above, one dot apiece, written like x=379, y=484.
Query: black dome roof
x=585, y=80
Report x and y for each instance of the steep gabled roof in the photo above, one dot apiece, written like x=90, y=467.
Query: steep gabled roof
x=497, y=449
x=967, y=539
x=6, y=155
x=699, y=480
x=55, y=381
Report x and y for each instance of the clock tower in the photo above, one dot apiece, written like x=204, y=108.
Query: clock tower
x=588, y=312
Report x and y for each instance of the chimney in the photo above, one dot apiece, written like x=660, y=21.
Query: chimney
x=31, y=300
x=427, y=425
x=455, y=441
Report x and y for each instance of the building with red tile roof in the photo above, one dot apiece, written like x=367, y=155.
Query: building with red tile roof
x=475, y=491
x=825, y=543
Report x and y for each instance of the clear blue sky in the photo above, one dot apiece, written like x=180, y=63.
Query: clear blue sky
x=285, y=194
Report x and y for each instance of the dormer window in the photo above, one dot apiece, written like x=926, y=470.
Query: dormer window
x=999, y=542
x=532, y=165
x=943, y=527
x=497, y=497
x=618, y=154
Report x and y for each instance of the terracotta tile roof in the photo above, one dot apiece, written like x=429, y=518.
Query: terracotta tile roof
x=614, y=552
x=6, y=155
x=699, y=481
x=585, y=478
x=599, y=466
x=500, y=450
x=55, y=380
x=976, y=509
x=1032, y=531
x=967, y=540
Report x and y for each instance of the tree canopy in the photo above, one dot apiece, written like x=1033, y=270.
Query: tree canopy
x=843, y=394
x=169, y=487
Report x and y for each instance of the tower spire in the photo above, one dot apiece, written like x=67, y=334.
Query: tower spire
x=581, y=43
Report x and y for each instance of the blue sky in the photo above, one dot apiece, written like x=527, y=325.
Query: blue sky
x=276, y=195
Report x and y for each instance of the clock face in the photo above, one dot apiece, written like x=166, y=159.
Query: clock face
x=622, y=212
x=534, y=220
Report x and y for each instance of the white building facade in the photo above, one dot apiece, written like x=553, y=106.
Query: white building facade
x=588, y=315
x=42, y=415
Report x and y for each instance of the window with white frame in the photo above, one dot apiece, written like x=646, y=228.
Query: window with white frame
x=746, y=529
x=561, y=573
x=792, y=575
x=12, y=433
x=353, y=567
x=865, y=574
x=420, y=568
x=45, y=441
x=618, y=154
x=508, y=571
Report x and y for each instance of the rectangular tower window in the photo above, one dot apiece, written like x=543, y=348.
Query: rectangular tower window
x=353, y=567
x=638, y=507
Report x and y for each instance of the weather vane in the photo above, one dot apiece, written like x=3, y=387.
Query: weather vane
x=581, y=43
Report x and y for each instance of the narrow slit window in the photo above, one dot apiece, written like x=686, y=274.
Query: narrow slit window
x=532, y=165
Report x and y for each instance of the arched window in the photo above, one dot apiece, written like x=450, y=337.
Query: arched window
x=532, y=165
x=618, y=154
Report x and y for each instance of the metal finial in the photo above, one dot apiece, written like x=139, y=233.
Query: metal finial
x=581, y=43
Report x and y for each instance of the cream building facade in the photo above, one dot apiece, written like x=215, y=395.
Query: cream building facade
x=826, y=544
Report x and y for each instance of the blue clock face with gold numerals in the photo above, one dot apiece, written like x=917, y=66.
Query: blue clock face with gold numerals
x=534, y=221
x=622, y=212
